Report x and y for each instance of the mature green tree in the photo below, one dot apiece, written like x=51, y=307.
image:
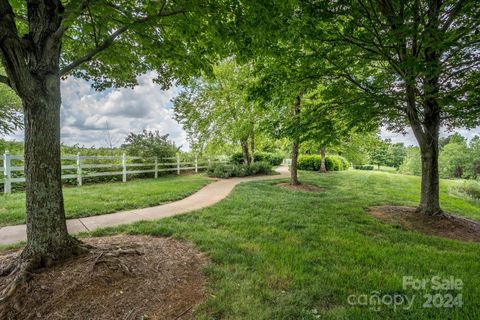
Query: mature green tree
x=108, y=43
x=149, y=144
x=326, y=124
x=453, y=160
x=216, y=109
x=283, y=79
x=417, y=62
x=453, y=138
x=379, y=154
x=396, y=154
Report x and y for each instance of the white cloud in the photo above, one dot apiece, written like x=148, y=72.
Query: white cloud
x=86, y=114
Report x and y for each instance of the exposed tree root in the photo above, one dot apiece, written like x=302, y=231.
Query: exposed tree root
x=21, y=266
x=113, y=256
x=123, y=277
x=438, y=214
x=20, y=276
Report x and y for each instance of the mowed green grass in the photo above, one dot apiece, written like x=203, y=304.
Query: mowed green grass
x=96, y=199
x=281, y=254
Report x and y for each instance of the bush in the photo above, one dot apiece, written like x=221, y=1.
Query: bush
x=469, y=188
x=308, y=162
x=272, y=158
x=332, y=162
x=236, y=158
x=364, y=167
x=228, y=170
x=260, y=167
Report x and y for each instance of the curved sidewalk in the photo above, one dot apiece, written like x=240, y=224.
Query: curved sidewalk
x=207, y=196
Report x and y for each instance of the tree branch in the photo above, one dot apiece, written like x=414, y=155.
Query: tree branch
x=111, y=39
x=453, y=14
x=12, y=51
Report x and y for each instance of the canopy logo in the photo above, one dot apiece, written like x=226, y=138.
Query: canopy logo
x=437, y=292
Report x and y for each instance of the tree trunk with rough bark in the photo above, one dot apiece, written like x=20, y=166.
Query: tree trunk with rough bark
x=246, y=156
x=430, y=191
x=34, y=73
x=295, y=146
x=293, y=167
x=252, y=146
x=47, y=237
x=323, y=167
x=427, y=133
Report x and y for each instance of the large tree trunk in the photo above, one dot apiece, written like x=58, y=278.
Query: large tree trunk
x=33, y=70
x=246, y=156
x=47, y=237
x=252, y=146
x=296, y=143
x=323, y=167
x=427, y=132
x=430, y=199
x=293, y=166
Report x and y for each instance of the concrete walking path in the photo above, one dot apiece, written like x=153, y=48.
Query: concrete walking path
x=207, y=196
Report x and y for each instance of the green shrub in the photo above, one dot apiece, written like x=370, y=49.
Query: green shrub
x=260, y=167
x=236, y=158
x=308, y=162
x=364, y=167
x=469, y=188
x=229, y=170
x=332, y=162
x=272, y=158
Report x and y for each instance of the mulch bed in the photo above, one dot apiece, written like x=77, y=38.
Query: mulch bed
x=124, y=277
x=447, y=226
x=300, y=187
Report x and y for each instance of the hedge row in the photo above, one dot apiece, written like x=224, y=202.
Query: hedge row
x=272, y=158
x=363, y=167
x=312, y=163
x=228, y=170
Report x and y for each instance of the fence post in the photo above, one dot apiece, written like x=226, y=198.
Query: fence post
x=196, y=163
x=124, y=168
x=79, y=170
x=156, y=167
x=7, y=173
x=178, y=163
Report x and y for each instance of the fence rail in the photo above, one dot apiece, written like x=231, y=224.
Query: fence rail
x=80, y=166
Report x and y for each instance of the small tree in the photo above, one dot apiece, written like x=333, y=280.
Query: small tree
x=149, y=144
x=216, y=108
x=379, y=154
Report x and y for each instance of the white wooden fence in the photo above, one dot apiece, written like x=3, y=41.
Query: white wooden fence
x=121, y=166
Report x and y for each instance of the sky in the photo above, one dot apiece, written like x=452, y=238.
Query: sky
x=89, y=117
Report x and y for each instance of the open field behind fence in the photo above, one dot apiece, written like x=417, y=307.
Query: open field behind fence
x=78, y=168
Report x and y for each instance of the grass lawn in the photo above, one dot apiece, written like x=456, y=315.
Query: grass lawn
x=95, y=199
x=282, y=254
